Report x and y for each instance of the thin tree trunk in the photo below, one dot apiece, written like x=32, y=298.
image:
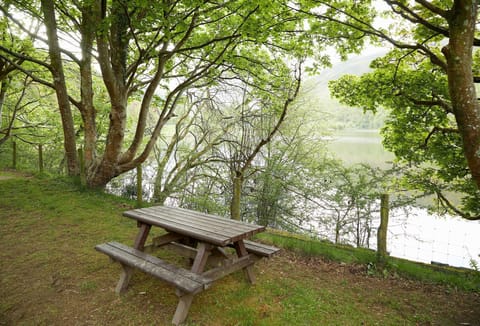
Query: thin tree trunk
x=382, y=230
x=236, y=197
x=60, y=86
x=3, y=92
x=337, y=232
x=139, y=186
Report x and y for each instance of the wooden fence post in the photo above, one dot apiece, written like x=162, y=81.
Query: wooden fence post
x=14, y=155
x=40, y=158
x=139, y=186
x=83, y=177
x=382, y=230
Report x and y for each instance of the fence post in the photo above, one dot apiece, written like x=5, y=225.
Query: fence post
x=83, y=177
x=382, y=230
x=14, y=155
x=40, y=158
x=139, y=186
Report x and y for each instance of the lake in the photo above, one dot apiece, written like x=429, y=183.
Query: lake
x=414, y=234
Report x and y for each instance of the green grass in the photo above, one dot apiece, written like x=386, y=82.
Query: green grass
x=457, y=278
x=51, y=274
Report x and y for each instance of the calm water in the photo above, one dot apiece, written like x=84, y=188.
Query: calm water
x=416, y=235
x=360, y=146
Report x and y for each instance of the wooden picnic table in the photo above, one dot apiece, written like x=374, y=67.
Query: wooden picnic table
x=199, y=236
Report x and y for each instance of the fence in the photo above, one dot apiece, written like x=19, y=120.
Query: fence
x=28, y=159
x=429, y=238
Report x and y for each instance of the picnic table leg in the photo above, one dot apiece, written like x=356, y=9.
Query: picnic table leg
x=185, y=301
x=242, y=251
x=127, y=270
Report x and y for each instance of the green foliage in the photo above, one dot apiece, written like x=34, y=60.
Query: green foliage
x=418, y=130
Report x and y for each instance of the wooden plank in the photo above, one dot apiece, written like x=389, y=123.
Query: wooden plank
x=205, y=217
x=215, y=258
x=260, y=248
x=222, y=271
x=182, y=250
x=127, y=271
x=166, y=239
x=181, y=278
x=203, y=251
x=183, y=307
x=162, y=241
x=185, y=300
x=202, y=226
x=218, y=224
x=197, y=217
x=144, y=230
x=182, y=228
x=242, y=252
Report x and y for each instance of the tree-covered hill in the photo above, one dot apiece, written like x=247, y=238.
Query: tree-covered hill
x=339, y=116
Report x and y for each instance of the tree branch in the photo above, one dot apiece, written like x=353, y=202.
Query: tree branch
x=438, y=129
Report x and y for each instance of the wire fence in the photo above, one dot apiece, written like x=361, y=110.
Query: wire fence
x=32, y=157
x=430, y=238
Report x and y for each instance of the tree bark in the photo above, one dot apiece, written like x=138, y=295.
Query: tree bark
x=3, y=93
x=87, y=109
x=112, y=48
x=382, y=230
x=236, y=196
x=458, y=52
x=60, y=87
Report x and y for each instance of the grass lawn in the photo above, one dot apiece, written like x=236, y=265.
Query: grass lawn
x=50, y=274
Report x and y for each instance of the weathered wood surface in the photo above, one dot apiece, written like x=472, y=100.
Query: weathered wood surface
x=242, y=252
x=212, y=233
x=127, y=270
x=183, y=279
x=231, y=267
x=204, y=227
x=260, y=249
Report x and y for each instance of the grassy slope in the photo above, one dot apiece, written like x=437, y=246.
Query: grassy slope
x=50, y=274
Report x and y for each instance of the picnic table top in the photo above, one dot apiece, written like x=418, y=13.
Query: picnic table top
x=204, y=227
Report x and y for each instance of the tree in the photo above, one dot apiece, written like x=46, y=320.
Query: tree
x=430, y=148
x=9, y=77
x=25, y=116
x=149, y=51
x=196, y=131
x=438, y=37
x=260, y=114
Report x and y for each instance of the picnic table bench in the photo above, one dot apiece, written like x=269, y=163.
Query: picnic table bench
x=199, y=236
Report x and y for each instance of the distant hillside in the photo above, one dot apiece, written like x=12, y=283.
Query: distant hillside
x=338, y=116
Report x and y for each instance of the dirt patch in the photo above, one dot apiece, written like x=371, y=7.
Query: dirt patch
x=13, y=174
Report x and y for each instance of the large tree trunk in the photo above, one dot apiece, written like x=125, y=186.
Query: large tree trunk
x=60, y=87
x=458, y=53
x=112, y=49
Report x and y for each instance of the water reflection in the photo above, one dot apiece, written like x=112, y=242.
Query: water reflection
x=414, y=234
